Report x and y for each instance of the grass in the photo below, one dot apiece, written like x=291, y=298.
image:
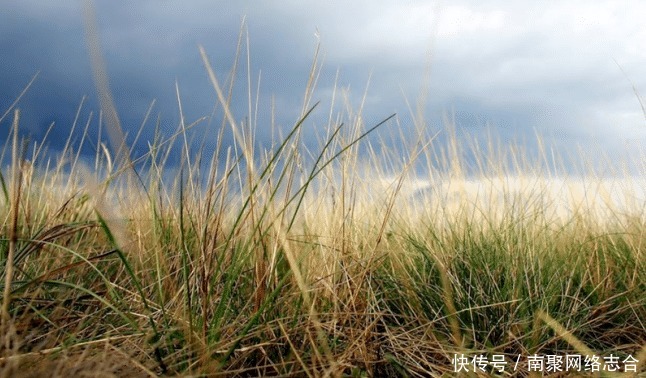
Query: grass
x=297, y=262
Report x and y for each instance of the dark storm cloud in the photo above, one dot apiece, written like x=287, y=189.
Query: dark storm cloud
x=52, y=46
x=518, y=68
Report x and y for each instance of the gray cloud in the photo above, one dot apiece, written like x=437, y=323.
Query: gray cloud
x=519, y=67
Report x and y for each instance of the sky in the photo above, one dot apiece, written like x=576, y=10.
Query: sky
x=570, y=71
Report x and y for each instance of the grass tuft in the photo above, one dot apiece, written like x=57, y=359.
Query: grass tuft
x=352, y=259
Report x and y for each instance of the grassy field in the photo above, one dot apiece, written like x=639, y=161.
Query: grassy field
x=346, y=260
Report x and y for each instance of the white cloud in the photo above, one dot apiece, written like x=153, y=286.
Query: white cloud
x=460, y=19
x=526, y=61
